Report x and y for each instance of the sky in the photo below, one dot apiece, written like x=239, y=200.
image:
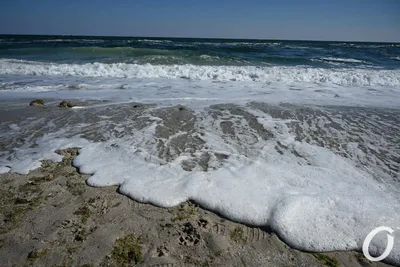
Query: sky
x=339, y=20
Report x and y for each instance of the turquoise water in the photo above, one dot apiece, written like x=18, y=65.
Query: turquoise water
x=69, y=49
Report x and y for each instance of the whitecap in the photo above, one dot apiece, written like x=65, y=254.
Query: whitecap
x=265, y=74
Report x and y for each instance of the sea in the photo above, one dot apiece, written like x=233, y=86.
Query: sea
x=298, y=137
x=103, y=65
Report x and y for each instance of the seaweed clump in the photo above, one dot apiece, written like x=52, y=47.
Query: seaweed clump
x=126, y=251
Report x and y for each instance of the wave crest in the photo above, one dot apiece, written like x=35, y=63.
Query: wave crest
x=269, y=74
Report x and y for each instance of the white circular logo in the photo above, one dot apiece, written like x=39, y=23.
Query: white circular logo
x=371, y=235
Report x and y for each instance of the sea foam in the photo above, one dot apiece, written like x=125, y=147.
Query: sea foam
x=326, y=204
x=273, y=74
x=314, y=200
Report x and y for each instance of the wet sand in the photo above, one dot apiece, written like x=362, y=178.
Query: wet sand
x=50, y=217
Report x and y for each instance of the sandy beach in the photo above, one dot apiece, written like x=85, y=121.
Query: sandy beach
x=51, y=217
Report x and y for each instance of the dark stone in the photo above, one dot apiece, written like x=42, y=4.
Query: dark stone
x=33, y=254
x=65, y=104
x=37, y=103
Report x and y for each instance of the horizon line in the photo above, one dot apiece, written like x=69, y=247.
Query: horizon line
x=209, y=38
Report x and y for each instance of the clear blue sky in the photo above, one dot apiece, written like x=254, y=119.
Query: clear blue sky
x=358, y=20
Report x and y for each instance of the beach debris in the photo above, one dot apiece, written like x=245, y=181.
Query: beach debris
x=36, y=254
x=326, y=260
x=66, y=104
x=37, y=103
x=127, y=251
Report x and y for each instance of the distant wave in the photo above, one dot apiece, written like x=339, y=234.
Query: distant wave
x=91, y=50
x=395, y=58
x=49, y=41
x=66, y=40
x=153, y=41
x=345, y=60
x=273, y=74
x=238, y=43
x=364, y=45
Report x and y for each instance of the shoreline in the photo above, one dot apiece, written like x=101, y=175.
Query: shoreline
x=57, y=220
x=51, y=217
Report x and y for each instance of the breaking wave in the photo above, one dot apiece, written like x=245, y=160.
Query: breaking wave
x=269, y=74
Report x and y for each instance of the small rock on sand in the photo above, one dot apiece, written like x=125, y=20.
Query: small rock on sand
x=65, y=104
x=37, y=103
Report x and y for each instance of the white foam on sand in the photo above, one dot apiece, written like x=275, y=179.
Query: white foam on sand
x=319, y=201
x=27, y=157
x=4, y=169
x=322, y=205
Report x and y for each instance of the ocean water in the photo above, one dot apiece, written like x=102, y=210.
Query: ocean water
x=144, y=69
x=301, y=137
